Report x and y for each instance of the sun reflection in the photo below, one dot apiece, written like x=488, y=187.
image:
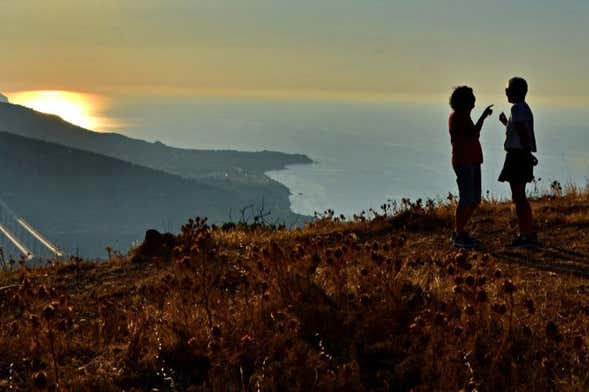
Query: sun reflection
x=80, y=109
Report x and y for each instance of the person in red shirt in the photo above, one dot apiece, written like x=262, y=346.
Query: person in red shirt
x=467, y=157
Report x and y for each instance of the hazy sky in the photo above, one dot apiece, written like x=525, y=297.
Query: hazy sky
x=363, y=47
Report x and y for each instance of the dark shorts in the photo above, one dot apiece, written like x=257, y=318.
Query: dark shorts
x=518, y=167
x=468, y=178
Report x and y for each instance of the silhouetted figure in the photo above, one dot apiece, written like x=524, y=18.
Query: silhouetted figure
x=518, y=169
x=467, y=157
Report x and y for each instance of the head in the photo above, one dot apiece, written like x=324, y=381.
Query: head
x=517, y=89
x=462, y=99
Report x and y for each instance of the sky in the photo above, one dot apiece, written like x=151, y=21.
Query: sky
x=407, y=49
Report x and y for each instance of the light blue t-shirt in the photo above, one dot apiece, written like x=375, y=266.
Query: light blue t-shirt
x=520, y=112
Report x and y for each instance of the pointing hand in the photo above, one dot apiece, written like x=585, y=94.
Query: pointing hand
x=488, y=111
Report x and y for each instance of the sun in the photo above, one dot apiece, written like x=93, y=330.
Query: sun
x=77, y=108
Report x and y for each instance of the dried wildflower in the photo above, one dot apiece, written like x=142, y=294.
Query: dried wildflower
x=529, y=304
x=40, y=380
x=460, y=258
x=467, y=266
x=246, y=340
x=499, y=308
x=25, y=284
x=469, y=280
x=508, y=287
x=216, y=332
x=42, y=292
x=292, y=324
x=414, y=328
x=440, y=319
x=579, y=342
x=552, y=331
x=35, y=321
x=192, y=342
x=458, y=331
x=213, y=346
x=63, y=325
x=376, y=257
x=48, y=312
x=469, y=309
x=365, y=299
x=482, y=296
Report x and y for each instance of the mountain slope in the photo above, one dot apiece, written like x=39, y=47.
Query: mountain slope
x=87, y=200
x=189, y=163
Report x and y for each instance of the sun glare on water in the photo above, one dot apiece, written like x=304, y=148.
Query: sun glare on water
x=77, y=108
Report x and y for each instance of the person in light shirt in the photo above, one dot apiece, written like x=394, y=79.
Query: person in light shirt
x=518, y=169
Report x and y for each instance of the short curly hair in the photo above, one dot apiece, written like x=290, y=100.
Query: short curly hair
x=518, y=87
x=462, y=98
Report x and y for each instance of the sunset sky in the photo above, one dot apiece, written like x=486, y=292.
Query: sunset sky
x=416, y=48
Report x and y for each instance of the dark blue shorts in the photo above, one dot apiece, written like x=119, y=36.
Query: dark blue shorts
x=468, y=178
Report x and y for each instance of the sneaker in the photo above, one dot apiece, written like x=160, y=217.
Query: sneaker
x=464, y=241
x=523, y=241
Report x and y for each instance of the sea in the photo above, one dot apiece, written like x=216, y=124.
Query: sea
x=365, y=153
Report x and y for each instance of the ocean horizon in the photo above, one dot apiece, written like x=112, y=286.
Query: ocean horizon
x=364, y=153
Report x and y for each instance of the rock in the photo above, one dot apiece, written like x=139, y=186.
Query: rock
x=155, y=244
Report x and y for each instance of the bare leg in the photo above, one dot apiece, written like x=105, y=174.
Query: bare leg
x=463, y=214
x=522, y=208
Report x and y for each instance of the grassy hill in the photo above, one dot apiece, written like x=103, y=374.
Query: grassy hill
x=366, y=304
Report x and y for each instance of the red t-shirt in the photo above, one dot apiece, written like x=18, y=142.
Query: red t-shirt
x=466, y=148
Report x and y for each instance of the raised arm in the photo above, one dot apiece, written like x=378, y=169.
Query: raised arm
x=486, y=113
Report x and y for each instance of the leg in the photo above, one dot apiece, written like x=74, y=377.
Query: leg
x=463, y=214
x=468, y=179
x=522, y=207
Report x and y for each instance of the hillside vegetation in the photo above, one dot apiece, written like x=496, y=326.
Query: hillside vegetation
x=363, y=304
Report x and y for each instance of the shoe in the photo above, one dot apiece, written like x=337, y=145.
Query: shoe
x=523, y=241
x=464, y=241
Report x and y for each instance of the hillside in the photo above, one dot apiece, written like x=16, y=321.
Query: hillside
x=185, y=162
x=241, y=173
x=85, y=201
x=366, y=304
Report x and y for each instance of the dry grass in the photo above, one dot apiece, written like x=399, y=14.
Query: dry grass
x=379, y=303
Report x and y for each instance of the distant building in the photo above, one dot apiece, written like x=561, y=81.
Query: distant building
x=3, y=98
